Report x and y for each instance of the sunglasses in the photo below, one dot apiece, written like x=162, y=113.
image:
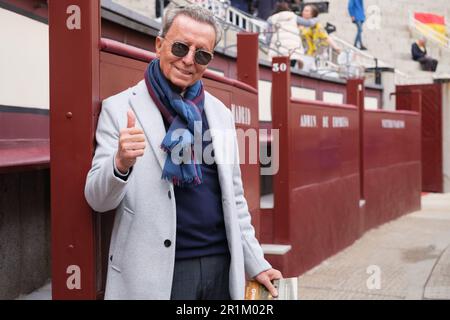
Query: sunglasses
x=180, y=50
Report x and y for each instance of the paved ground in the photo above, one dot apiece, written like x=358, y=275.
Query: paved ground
x=408, y=258
x=44, y=293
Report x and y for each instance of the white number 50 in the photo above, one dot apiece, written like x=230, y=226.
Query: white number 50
x=277, y=67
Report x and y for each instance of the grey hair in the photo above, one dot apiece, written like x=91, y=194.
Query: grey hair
x=194, y=12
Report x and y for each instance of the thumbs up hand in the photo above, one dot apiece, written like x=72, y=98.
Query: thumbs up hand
x=131, y=144
x=131, y=119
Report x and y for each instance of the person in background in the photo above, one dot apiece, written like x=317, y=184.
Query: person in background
x=284, y=34
x=254, y=4
x=356, y=11
x=243, y=5
x=315, y=37
x=265, y=8
x=419, y=53
x=158, y=7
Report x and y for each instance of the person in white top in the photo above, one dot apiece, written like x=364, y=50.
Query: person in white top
x=284, y=35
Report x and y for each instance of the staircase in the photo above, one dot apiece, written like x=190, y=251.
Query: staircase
x=388, y=33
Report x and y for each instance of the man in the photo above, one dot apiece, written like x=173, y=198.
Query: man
x=182, y=228
x=356, y=11
x=266, y=8
x=419, y=53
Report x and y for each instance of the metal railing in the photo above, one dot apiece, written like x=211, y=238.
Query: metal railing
x=223, y=10
x=234, y=20
x=352, y=62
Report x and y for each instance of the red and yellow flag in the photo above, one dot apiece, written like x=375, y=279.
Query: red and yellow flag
x=433, y=21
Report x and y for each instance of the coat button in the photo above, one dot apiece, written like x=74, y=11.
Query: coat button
x=167, y=243
x=110, y=258
x=169, y=194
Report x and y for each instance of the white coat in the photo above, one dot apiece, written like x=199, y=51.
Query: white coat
x=140, y=264
x=285, y=39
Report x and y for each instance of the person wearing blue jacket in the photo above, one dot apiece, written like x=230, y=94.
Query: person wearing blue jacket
x=356, y=11
x=243, y=5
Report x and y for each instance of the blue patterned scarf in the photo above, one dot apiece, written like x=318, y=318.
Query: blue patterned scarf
x=181, y=114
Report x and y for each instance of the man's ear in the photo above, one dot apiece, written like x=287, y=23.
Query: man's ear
x=158, y=45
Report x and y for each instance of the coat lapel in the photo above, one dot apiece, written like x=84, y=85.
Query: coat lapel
x=150, y=118
x=216, y=129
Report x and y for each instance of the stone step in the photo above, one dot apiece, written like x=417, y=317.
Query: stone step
x=392, y=43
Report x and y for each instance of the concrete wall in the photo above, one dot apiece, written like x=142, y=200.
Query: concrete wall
x=388, y=81
x=144, y=7
x=24, y=232
x=24, y=61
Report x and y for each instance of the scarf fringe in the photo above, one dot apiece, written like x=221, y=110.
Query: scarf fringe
x=195, y=181
x=164, y=148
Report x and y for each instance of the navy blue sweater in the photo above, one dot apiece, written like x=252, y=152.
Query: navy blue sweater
x=200, y=222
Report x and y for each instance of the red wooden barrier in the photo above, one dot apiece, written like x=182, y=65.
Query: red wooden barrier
x=24, y=143
x=317, y=189
x=392, y=175
x=428, y=100
x=355, y=96
x=281, y=94
x=323, y=181
x=74, y=95
x=343, y=170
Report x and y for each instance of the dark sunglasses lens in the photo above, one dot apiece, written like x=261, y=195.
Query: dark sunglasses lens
x=180, y=49
x=202, y=57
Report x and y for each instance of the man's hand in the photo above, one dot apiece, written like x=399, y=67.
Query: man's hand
x=266, y=277
x=131, y=145
x=353, y=19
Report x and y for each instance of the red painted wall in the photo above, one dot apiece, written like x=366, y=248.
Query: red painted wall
x=427, y=99
x=323, y=185
x=326, y=171
x=392, y=160
x=24, y=140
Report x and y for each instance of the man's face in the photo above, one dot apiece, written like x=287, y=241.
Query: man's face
x=183, y=72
